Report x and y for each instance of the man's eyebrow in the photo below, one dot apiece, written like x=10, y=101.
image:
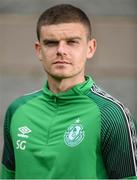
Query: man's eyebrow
x=67, y=39
x=49, y=40
x=74, y=38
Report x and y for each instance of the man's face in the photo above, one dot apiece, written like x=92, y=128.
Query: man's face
x=63, y=49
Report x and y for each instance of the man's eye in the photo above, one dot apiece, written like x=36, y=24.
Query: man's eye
x=51, y=43
x=72, y=42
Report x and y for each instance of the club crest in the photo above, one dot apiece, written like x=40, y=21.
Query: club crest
x=74, y=135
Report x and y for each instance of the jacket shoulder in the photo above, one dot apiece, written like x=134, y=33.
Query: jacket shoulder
x=18, y=102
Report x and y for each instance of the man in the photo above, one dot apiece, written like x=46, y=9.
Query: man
x=70, y=129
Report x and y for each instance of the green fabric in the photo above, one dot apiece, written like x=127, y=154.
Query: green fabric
x=134, y=177
x=116, y=144
x=66, y=136
x=8, y=152
x=6, y=173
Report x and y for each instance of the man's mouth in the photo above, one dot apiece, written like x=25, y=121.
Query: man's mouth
x=61, y=62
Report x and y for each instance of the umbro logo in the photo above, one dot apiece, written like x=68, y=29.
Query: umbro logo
x=24, y=131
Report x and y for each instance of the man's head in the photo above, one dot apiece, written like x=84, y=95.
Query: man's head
x=64, y=42
x=63, y=13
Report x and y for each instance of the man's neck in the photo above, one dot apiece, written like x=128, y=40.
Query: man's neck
x=62, y=85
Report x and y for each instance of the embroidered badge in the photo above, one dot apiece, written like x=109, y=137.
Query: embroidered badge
x=74, y=135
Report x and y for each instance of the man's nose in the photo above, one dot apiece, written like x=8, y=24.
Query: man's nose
x=61, y=49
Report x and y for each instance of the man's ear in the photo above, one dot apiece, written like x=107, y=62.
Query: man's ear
x=38, y=50
x=92, y=45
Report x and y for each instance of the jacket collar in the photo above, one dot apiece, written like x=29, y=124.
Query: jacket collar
x=79, y=89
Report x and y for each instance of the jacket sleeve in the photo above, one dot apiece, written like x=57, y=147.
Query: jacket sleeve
x=119, y=142
x=8, y=160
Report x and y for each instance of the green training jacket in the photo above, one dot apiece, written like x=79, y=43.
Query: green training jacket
x=83, y=133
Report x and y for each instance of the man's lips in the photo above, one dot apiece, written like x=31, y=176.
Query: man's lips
x=61, y=62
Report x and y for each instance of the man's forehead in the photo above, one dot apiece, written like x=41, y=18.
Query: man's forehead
x=63, y=30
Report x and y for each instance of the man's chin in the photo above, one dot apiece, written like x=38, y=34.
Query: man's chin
x=60, y=76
